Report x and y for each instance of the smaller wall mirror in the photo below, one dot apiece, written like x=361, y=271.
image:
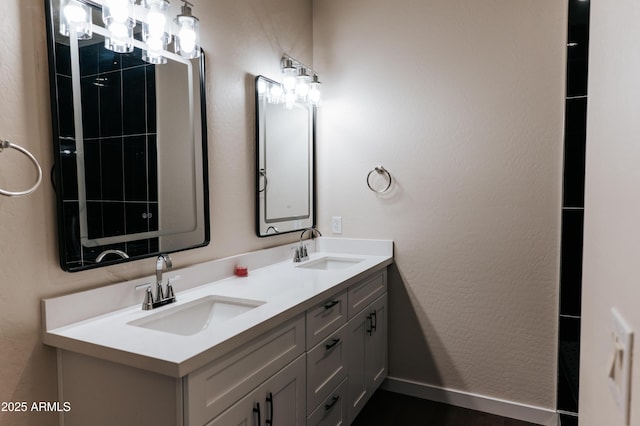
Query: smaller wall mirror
x=285, y=175
x=130, y=147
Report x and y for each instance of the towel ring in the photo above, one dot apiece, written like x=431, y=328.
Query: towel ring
x=7, y=144
x=380, y=170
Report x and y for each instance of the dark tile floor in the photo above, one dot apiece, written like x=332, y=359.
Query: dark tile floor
x=393, y=409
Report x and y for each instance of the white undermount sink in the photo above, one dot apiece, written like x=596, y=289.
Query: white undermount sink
x=330, y=263
x=193, y=317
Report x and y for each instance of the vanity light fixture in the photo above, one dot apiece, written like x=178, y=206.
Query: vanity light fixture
x=119, y=19
x=187, y=42
x=75, y=18
x=297, y=83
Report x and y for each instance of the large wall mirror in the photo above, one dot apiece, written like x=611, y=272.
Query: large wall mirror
x=285, y=161
x=130, y=149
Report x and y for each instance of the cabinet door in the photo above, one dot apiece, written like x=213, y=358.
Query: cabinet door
x=376, y=350
x=367, y=354
x=285, y=395
x=280, y=401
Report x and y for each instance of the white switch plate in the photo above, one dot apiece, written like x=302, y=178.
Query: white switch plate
x=619, y=369
x=336, y=224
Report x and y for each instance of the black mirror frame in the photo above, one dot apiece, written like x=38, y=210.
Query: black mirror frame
x=56, y=171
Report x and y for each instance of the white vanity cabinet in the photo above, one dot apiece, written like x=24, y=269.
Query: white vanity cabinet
x=312, y=353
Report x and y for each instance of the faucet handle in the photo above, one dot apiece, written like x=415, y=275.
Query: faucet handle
x=296, y=256
x=170, y=293
x=147, y=305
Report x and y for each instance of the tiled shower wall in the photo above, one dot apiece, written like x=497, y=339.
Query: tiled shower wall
x=119, y=127
x=573, y=212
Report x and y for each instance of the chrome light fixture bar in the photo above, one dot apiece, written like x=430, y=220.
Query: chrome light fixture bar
x=120, y=17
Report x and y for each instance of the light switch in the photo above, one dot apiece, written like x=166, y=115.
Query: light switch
x=619, y=368
x=336, y=224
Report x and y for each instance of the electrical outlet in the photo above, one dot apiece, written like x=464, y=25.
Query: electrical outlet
x=336, y=224
x=619, y=368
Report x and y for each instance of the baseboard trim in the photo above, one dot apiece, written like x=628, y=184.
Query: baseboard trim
x=500, y=407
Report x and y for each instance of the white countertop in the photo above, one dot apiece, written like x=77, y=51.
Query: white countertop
x=286, y=288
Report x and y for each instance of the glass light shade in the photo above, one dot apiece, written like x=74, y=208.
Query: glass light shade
x=75, y=19
x=187, y=42
x=315, y=91
x=303, y=82
x=289, y=75
x=117, y=16
x=156, y=32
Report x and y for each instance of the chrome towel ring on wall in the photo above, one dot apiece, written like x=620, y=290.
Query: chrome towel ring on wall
x=381, y=171
x=6, y=144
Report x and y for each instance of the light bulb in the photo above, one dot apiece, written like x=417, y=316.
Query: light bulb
x=187, y=38
x=75, y=13
x=276, y=92
x=156, y=21
x=118, y=30
x=117, y=11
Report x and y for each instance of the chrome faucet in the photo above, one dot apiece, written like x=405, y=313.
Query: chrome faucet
x=301, y=252
x=161, y=299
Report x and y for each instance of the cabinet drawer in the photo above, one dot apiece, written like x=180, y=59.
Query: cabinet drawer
x=366, y=291
x=326, y=367
x=214, y=387
x=325, y=318
x=333, y=410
